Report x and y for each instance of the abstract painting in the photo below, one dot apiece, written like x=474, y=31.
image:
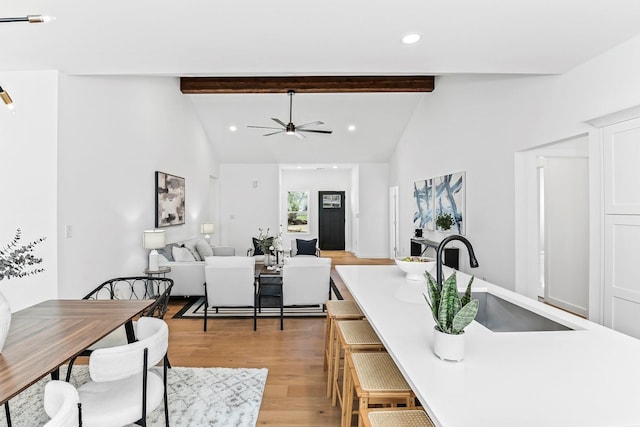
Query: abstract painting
x=170, y=209
x=423, y=196
x=449, y=198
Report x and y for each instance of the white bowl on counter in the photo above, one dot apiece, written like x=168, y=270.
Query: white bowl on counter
x=415, y=268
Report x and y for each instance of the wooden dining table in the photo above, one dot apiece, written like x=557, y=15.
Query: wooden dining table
x=45, y=336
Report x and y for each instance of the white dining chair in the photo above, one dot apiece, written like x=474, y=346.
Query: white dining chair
x=116, y=394
x=61, y=403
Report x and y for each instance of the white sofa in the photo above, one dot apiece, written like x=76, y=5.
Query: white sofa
x=187, y=272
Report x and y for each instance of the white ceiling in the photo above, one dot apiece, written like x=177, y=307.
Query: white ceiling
x=330, y=37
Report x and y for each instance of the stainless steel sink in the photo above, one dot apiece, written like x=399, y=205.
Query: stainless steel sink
x=500, y=315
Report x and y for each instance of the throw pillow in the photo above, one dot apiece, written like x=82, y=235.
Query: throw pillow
x=256, y=247
x=306, y=247
x=182, y=254
x=167, y=251
x=204, y=249
x=191, y=245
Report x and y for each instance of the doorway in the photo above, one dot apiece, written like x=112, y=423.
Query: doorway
x=552, y=219
x=331, y=220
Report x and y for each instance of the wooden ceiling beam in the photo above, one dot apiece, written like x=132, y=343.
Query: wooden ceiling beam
x=306, y=84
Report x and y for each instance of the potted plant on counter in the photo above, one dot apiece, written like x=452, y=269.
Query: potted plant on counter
x=452, y=314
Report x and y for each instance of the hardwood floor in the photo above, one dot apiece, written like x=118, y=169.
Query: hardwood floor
x=295, y=390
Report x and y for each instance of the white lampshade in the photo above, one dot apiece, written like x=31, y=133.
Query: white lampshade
x=153, y=239
x=207, y=228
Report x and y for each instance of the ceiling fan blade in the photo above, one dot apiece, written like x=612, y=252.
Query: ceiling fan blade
x=314, y=130
x=273, y=133
x=299, y=135
x=279, y=122
x=309, y=124
x=262, y=127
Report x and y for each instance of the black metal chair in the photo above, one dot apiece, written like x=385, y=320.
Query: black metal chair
x=129, y=288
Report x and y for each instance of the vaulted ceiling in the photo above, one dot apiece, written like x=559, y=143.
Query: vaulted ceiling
x=318, y=38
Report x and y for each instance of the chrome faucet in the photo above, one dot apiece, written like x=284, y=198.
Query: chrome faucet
x=473, y=262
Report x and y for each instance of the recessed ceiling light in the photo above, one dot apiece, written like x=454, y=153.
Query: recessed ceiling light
x=411, y=38
x=334, y=166
x=232, y=128
x=351, y=128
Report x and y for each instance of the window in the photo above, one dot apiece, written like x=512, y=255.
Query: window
x=297, y=212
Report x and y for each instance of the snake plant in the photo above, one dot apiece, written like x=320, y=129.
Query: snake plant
x=451, y=313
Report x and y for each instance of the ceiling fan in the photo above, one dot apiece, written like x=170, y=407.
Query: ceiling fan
x=290, y=128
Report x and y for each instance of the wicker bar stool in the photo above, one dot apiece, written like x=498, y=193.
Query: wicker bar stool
x=394, y=417
x=336, y=310
x=352, y=335
x=376, y=380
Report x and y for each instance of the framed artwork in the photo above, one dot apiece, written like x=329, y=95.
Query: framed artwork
x=449, y=198
x=440, y=195
x=170, y=208
x=423, y=196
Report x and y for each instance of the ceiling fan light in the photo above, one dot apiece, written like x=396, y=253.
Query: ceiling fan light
x=290, y=132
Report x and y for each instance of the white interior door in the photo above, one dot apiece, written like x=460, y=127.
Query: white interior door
x=566, y=233
x=394, y=227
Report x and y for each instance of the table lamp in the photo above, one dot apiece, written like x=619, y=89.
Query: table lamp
x=153, y=239
x=207, y=229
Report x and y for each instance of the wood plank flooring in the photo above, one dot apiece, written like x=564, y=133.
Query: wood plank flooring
x=295, y=390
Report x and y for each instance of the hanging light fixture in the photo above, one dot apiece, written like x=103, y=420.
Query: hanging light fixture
x=31, y=19
x=6, y=99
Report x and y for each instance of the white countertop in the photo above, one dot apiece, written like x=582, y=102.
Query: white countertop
x=585, y=377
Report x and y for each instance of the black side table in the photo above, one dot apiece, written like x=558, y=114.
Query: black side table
x=269, y=285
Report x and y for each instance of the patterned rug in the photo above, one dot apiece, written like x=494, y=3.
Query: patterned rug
x=194, y=309
x=221, y=397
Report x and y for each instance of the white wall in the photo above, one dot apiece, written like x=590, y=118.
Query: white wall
x=313, y=181
x=374, y=210
x=28, y=145
x=476, y=124
x=114, y=133
x=245, y=208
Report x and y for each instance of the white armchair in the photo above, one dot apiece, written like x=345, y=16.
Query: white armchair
x=306, y=280
x=230, y=282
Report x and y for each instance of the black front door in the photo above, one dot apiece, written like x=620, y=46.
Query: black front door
x=331, y=220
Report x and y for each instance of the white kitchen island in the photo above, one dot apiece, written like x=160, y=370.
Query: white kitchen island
x=589, y=376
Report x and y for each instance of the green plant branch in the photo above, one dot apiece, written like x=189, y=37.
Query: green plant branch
x=15, y=259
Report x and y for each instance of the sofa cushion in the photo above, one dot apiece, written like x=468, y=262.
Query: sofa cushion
x=191, y=246
x=182, y=254
x=167, y=251
x=204, y=249
x=306, y=247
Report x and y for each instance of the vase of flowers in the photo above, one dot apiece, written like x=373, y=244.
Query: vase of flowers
x=268, y=244
x=15, y=261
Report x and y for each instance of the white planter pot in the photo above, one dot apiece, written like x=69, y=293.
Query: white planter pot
x=448, y=346
x=5, y=320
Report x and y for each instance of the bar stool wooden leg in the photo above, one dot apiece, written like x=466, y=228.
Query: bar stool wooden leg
x=331, y=348
x=347, y=396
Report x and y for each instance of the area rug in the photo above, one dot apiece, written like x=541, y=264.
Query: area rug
x=194, y=309
x=221, y=397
